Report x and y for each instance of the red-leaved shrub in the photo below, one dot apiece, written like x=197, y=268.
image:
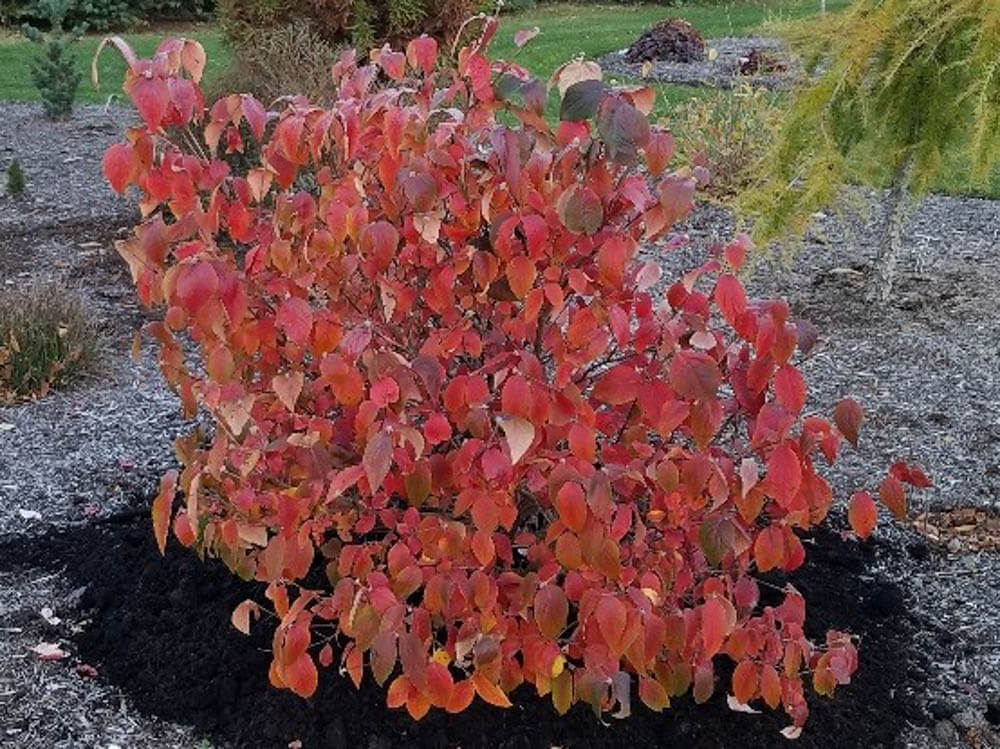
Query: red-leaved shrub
x=439, y=374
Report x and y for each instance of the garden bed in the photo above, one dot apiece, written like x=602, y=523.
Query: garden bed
x=77, y=470
x=720, y=68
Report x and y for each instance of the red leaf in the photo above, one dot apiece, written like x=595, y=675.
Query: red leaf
x=582, y=442
x=694, y=375
x=551, y=610
x=790, y=388
x=151, y=98
x=377, y=459
x=295, y=319
x=714, y=627
x=571, y=504
x=119, y=166
x=893, y=496
x=731, y=298
x=848, y=417
x=581, y=210
x=659, y=152
x=784, y=474
x=611, y=259
x=618, y=385
x=910, y=474
x=861, y=514
x=612, y=616
x=422, y=53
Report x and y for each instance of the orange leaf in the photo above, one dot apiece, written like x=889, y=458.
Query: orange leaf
x=770, y=686
x=461, y=696
x=769, y=548
x=745, y=681
x=521, y=274
x=301, y=676
x=652, y=694
x=161, y=508
x=571, y=504
x=489, y=691
x=861, y=514
x=848, y=417
x=893, y=496
x=551, y=610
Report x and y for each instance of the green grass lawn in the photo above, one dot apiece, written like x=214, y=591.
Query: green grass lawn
x=567, y=30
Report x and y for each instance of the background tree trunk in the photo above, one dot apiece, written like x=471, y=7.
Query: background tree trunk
x=891, y=243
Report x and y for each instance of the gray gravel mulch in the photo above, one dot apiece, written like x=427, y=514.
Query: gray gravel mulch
x=721, y=72
x=924, y=368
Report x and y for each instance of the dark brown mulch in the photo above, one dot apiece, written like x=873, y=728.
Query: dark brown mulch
x=159, y=629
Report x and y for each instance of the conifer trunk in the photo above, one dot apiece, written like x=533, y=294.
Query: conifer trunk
x=891, y=243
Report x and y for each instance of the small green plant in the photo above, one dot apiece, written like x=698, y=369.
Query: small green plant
x=15, y=179
x=54, y=70
x=727, y=132
x=47, y=340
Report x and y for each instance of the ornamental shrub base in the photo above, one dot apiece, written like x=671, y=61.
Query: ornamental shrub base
x=159, y=630
x=435, y=369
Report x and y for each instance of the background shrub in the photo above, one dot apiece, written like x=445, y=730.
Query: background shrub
x=362, y=23
x=729, y=132
x=47, y=340
x=283, y=60
x=108, y=15
x=444, y=395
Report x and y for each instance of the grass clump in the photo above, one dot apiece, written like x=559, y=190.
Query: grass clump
x=47, y=340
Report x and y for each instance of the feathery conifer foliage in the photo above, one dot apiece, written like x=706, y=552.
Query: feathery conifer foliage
x=905, y=82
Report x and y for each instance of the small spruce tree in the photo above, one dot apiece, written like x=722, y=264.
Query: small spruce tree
x=54, y=71
x=15, y=179
x=906, y=83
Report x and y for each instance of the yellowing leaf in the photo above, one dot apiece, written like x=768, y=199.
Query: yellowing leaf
x=520, y=434
x=288, y=387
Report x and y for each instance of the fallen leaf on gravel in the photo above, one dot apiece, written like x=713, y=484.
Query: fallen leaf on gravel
x=48, y=615
x=85, y=669
x=791, y=732
x=30, y=514
x=6, y=427
x=49, y=651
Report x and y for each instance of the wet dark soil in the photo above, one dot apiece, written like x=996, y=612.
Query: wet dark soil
x=158, y=627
